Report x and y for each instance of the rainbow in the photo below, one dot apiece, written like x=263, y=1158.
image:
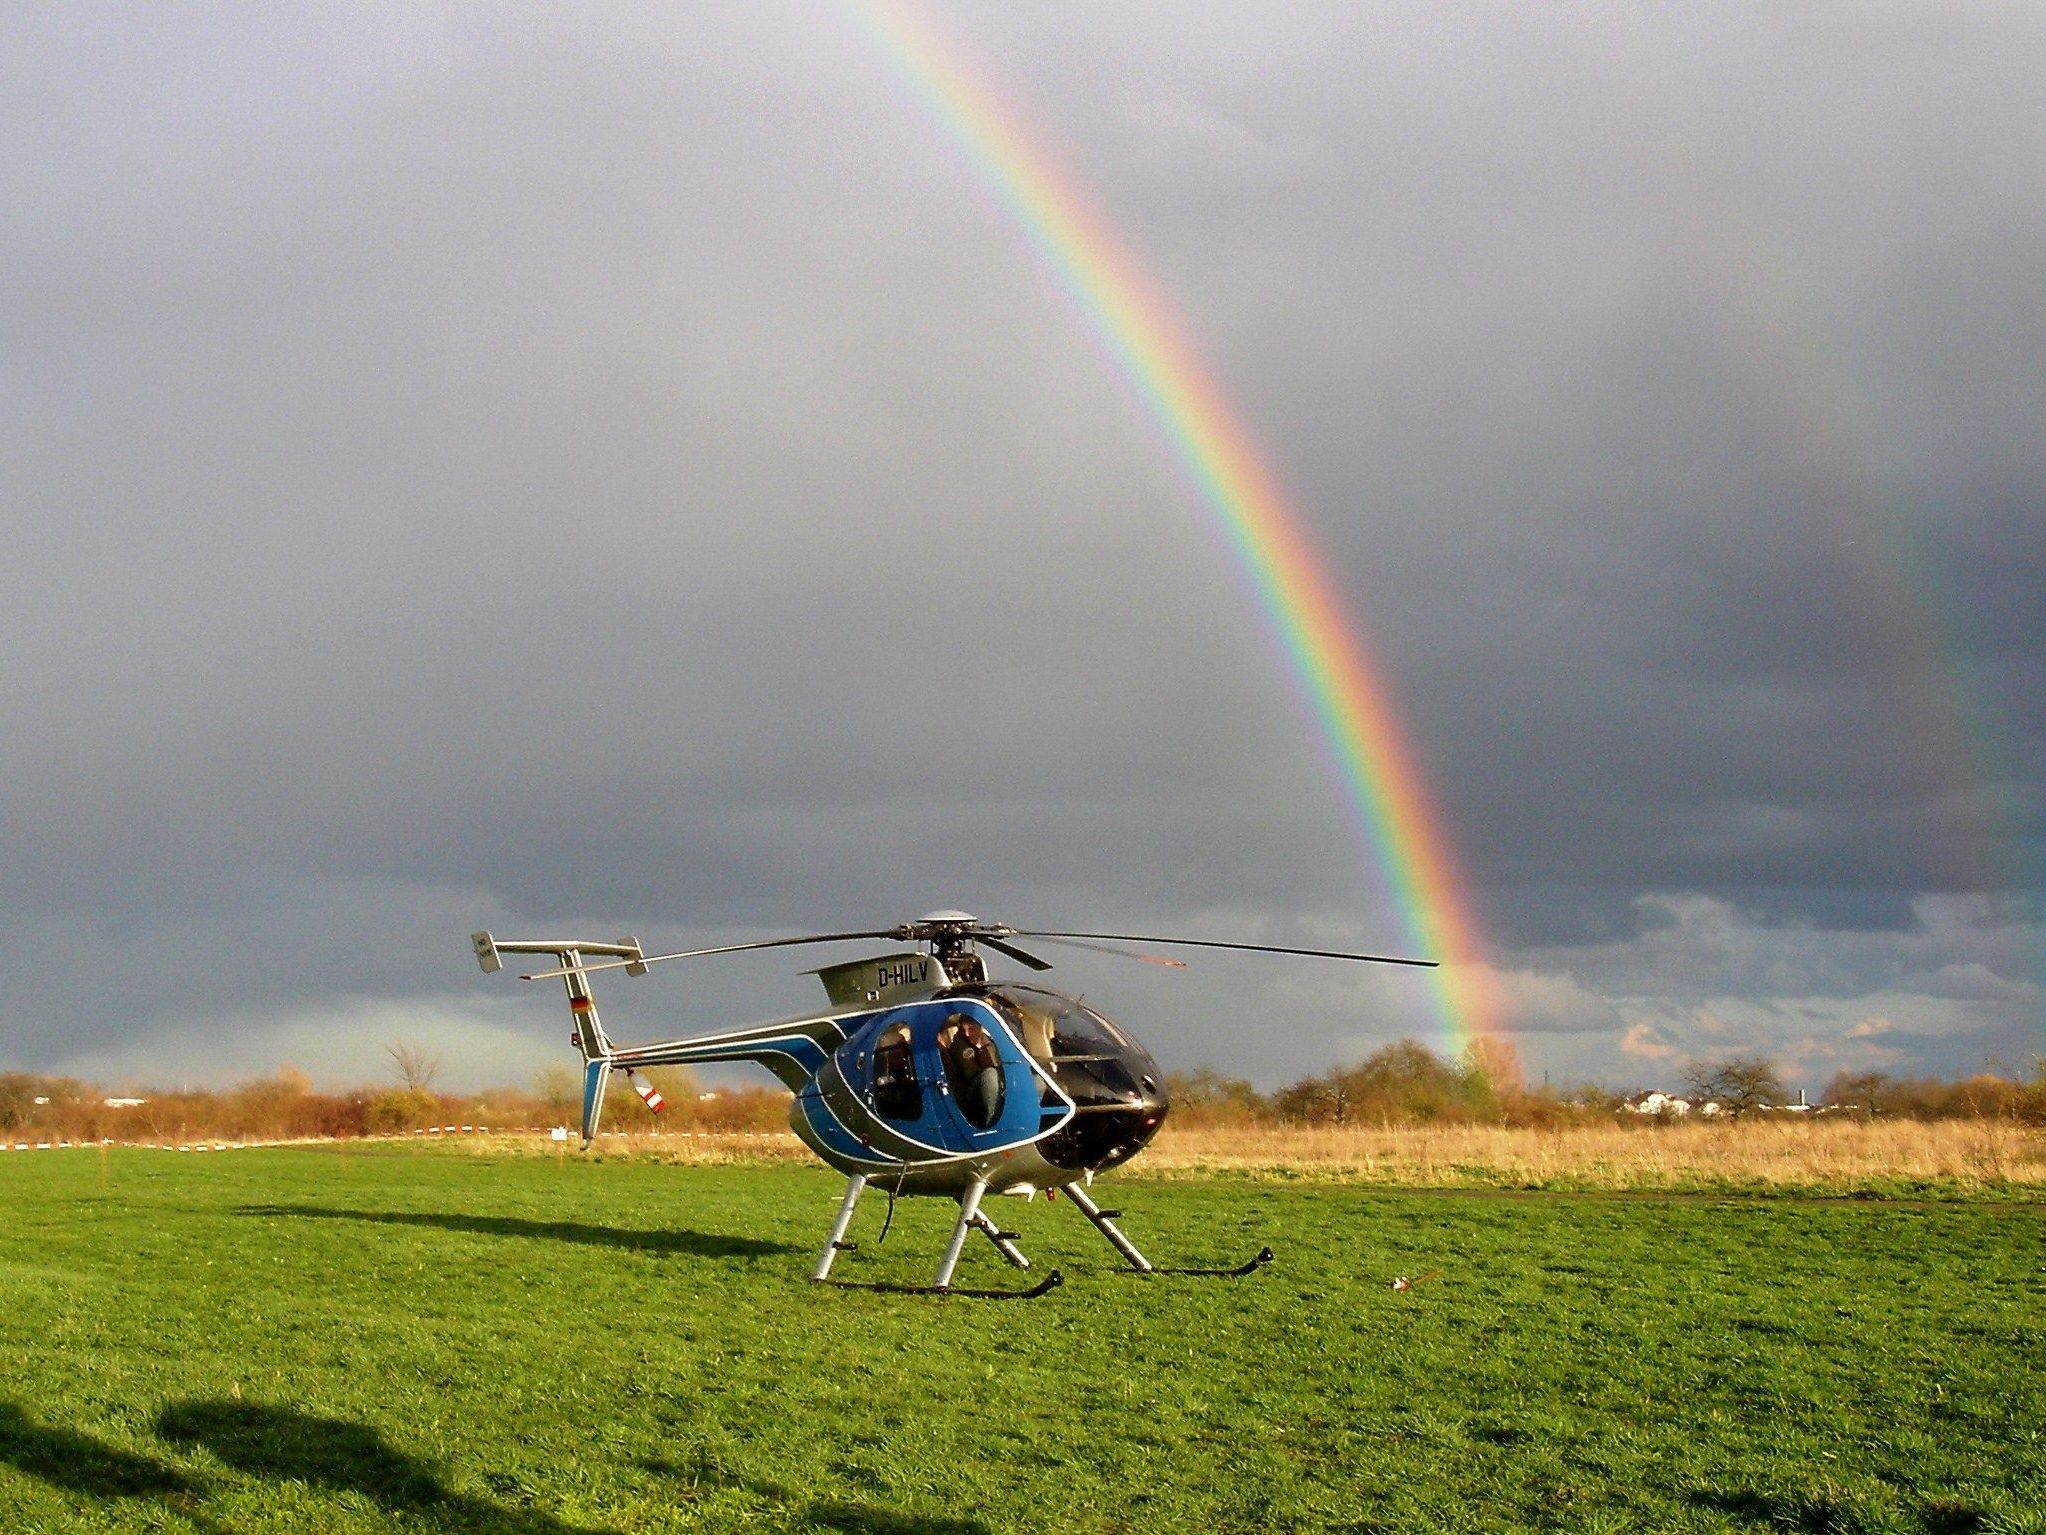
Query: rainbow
x=1130, y=320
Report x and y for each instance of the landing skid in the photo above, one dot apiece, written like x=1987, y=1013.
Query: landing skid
x=971, y=1219
x=1264, y=1256
x=1103, y=1221
x=1043, y=1286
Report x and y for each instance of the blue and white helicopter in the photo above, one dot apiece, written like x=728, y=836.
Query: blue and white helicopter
x=922, y=1075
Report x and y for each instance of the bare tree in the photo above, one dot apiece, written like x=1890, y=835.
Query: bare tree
x=418, y=1067
x=1866, y=1091
x=1737, y=1084
x=1493, y=1061
x=556, y=1087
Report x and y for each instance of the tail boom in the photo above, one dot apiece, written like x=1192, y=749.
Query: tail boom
x=794, y=1049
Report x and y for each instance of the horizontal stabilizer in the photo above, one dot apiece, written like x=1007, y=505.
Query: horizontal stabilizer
x=625, y=954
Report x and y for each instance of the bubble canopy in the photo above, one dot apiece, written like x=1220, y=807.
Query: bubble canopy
x=1115, y=1086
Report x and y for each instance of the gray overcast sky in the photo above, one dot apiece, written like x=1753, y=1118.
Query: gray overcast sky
x=612, y=470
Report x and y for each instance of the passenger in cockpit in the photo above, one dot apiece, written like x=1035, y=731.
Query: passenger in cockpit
x=973, y=1068
x=896, y=1093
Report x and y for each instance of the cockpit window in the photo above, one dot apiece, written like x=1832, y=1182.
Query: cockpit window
x=972, y=1070
x=1078, y=1034
x=1110, y=1083
x=1089, y=1057
x=897, y=1094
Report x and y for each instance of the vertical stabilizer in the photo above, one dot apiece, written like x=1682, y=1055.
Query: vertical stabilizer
x=596, y=1077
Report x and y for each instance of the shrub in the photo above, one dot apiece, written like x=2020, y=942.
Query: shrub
x=399, y=1109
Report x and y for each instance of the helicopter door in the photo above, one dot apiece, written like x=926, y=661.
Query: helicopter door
x=897, y=1093
x=973, y=1070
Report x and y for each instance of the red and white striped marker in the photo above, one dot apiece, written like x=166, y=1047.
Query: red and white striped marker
x=649, y=1094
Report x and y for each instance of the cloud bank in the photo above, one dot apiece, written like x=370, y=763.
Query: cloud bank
x=609, y=471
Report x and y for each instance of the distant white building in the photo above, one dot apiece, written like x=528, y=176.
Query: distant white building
x=1669, y=1106
x=1802, y=1106
x=123, y=1103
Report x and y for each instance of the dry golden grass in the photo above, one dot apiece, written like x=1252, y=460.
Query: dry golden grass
x=1831, y=1154
x=682, y=1148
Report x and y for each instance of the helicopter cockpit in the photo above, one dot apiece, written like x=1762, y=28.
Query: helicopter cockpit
x=1116, y=1087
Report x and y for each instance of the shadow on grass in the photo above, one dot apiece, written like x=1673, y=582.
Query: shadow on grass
x=1819, y=1514
x=842, y=1515
x=340, y=1456
x=868, y=1519
x=696, y=1244
x=77, y=1462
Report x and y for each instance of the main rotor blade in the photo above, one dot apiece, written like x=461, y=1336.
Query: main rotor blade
x=1019, y=955
x=1102, y=948
x=1256, y=948
x=728, y=948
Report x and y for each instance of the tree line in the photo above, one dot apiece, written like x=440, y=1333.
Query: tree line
x=1404, y=1083
x=285, y=1106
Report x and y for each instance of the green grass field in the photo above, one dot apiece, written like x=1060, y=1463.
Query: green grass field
x=312, y=1340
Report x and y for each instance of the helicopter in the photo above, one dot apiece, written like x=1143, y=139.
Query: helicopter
x=923, y=1076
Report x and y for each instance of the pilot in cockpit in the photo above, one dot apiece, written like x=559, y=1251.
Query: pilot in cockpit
x=973, y=1068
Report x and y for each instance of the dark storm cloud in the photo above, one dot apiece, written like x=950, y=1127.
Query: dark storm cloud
x=613, y=469
x=1675, y=441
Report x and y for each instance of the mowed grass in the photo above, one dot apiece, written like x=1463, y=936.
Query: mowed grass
x=318, y=1340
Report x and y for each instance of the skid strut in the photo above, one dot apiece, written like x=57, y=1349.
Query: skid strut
x=970, y=1219
x=1105, y=1224
x=969, y=1209
x=836, y=1242
x=1005, y=1241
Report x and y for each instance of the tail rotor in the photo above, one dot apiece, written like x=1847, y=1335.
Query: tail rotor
x=588, y=1034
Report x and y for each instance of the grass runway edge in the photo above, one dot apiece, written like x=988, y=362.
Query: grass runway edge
x=309, y=1340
